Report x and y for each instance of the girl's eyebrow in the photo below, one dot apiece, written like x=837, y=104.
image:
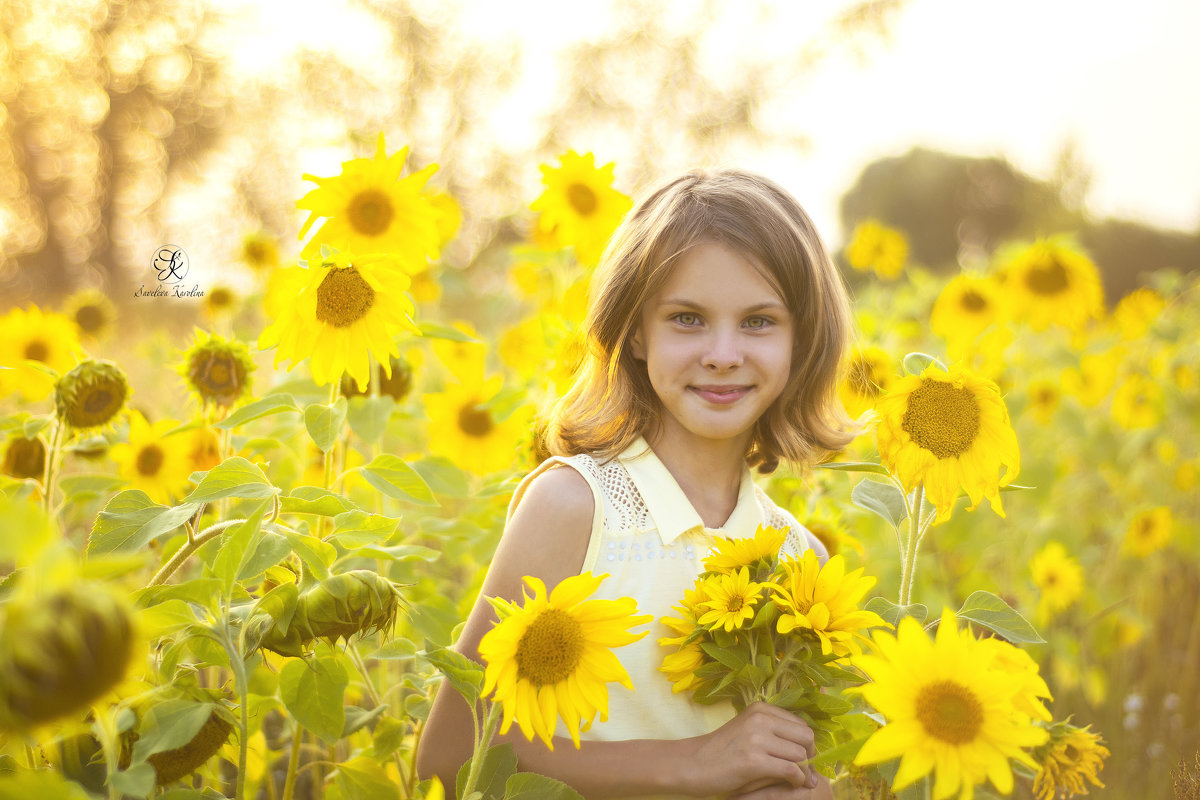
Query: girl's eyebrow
x=772, y=305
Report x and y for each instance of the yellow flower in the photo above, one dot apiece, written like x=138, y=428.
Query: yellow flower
x=1052, y=283
x=466, y=430
x=579, y=208
x=1071, y=756
x=447, y=214
x=681, y=665
x=219, y=301
x=216, y=369
x=204, y=449
x=1136, y=312
x=30, y=334
x=829, y=529
x=967, y=306
x=369, y=208
x=524, y=347
x=730, y=555
x=1044, y=398
x=552, y=656
x=1033, y=691
x=1094, y=379
x=1058, y=577
x=824, y=600
x=1150, y=530
x=92, y=312
x=260, y=252
x=1137, y=403
x=157, y=464
x=874, y=246
x=464, y=359
x=946, y=430
x=729, y=600
x=950, y=710
x=337, y=313
x=869, y=374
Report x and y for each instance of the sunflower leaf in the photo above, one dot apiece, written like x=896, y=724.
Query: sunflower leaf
x=131, y=520
x=271, y=404
x=313, y=692
x=986, y=609
x=233, y=477
x=916, y=363
x=894, y=613
x=324, y=422
x=499, y=764
x=531, y=786
x=368, y=416
x=238, y=546
x=883, y=499
x=394, y=477
x=314, y=500
x=856, y=466
x=463, y=674
x=434, y=330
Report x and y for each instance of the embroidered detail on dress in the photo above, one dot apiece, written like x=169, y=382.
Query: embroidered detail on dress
x=624, y=508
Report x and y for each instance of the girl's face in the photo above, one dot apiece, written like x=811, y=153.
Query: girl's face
x=717, y=342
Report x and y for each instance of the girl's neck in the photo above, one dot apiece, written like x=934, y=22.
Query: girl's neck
x=708, y=472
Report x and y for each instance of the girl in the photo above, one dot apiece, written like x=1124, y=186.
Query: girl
x=715, y=332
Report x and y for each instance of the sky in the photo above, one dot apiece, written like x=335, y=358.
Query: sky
x=1022, y=79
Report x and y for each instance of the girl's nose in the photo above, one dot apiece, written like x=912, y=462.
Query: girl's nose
x=723, y=352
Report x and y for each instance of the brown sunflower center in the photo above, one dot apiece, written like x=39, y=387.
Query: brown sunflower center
x=217, y=376
x=149, y=460
x=949, y=711
x=582, y=199
x=475, y=421
x=90, y=319
x=942, y=418
x=862, y=379
x=973, y=301
x=220, y=298
x=25, y=458
x=736, y=602
x=1048, y=277
x=550, y=649
x=1050, y=579
x=1071, y=752
x=370, y=212
x=343, y=297
x=37, y=350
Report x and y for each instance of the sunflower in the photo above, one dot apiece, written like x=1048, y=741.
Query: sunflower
x=1051, y=282
x=465, y=359
x=30, y=334
x=260, y=252
x=727, y=556
x=447, y=213
x=1137, y=403
x=1071, y=756
x=877, y=247
x=552, y=656
x=729, y=600
x=219, y=301
x=464, y=428
x=1044, y=399
x=1030, y=699
x=1136, y=312
x=823, y=600
x=157, y=464
x=369, y=208
x=1058, y=577
x=680, y=666
x=1094, y=379
x=948, y=429
x=337, y=314
x=869, y=374
x=216, y=369
x=579, y=208
x=826, y=524
x=92, y=312
x=525, y=347
x=24, y=458
x=950, y=710
x=1149, y=530
x=91, y=394
x=967, y=306
x=204, y=449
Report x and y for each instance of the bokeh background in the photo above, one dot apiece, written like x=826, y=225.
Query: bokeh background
x=964, y=127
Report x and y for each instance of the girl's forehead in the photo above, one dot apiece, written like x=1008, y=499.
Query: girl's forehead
x=717, y=269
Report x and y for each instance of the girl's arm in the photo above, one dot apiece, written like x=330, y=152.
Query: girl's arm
x=547, y=537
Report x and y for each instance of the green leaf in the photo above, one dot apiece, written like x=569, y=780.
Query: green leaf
x=893, y=613
x=395, y=478
x=435, y=330
x=359, y=718
x=314, y=500
x=198, y=590
x=730, y=658
x=362, y=778
x=137, y=781
x=443, y=476
x=916, y=363
x=165, y=618
x=316, y=554
x=396, y=650
x=169, y=725
x=506, y=402
x=986, y=609
x=883, y=499
x=238, y=544
x=77, y=488
x=272, y=548
x=324, y=422
x=499, y=764
x=388, y=736
x=35, y=425
x=463, y=674
x=354, y=529
x=233, y=477
x=531, y=786
x=842, y=753
x=399, y=552
x=856, y=466
x=271, y=404
x=131, y=520
x=313, y=692
x=368, y=416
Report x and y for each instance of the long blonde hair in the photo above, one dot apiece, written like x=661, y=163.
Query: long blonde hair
x=612, y=402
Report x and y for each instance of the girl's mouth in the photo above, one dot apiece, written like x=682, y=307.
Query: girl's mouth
x=721, y=395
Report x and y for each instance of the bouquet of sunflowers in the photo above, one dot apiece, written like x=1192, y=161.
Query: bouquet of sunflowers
x=761, y=625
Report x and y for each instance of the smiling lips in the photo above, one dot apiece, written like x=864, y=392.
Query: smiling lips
x=721, y=394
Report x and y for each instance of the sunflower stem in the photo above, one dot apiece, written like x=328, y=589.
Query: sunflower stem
x=50, y=477
x=289, y=783
x=481, y=748
x=357, y=658
x=910, y=551
x=189, y=549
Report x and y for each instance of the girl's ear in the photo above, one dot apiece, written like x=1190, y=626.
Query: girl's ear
x=636, y=346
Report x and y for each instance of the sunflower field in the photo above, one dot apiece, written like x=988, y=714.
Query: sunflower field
x=234, y=566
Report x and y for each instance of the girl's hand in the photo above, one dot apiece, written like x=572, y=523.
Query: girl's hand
x=756, y=754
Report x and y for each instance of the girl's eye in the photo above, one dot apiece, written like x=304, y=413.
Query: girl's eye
x=687, y=318
x=757, y=323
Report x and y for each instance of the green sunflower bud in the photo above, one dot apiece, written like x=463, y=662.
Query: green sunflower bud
x=359, y=602
x=91, y=394
x=61, y=652
x=171, y=765
x=217, y=369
